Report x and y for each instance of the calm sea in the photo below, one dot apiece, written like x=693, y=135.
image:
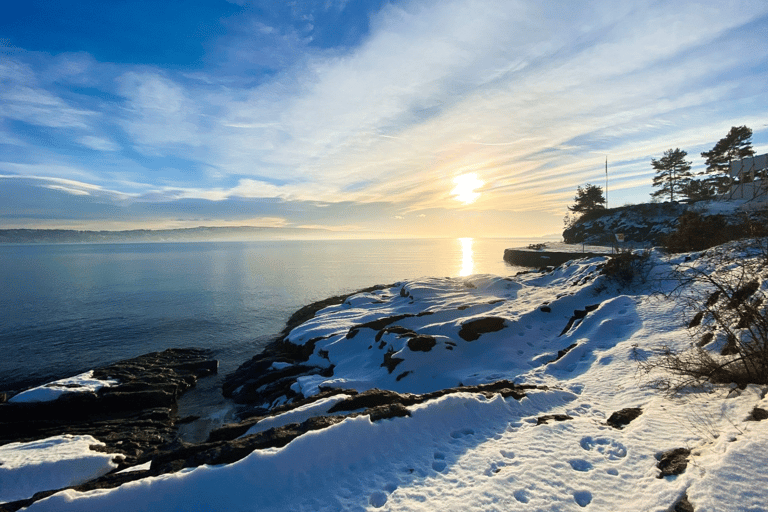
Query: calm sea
x=67, y=308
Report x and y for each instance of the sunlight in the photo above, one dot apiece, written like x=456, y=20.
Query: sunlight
x=467, y=262
x=464, y=190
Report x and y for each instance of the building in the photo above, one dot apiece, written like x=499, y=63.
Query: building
x=749, y=179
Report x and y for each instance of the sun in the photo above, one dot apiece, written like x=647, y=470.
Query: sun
x=466, y=184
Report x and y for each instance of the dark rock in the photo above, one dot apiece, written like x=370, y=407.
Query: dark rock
x=543, y=420
x=696, y=320
x=759, y=414
x=620, y=419
x=388, y=411
x=713, y=298
x=561, y=353
x=683, y=505
x=706, y=339
x=673, y=462
x=134, y=417
x=373, y=398
x=393, y=329
x=421, y=343
x=578, y=316
x=381, y=323
x=471, y=330
x=545, y=309
x=390, y=363
x=403, y=375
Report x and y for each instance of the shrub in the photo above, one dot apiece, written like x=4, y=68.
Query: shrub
x=626, y=266
x=726, y=292
x=696, y=232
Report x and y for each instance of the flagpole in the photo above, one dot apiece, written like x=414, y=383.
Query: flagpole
x=606, y=182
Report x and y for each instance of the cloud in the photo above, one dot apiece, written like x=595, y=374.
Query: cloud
x=158, y=112
x=22, y=99
x=98, y=143
x=527, y=96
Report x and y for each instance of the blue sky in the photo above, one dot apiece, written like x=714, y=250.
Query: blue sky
x=360, y=116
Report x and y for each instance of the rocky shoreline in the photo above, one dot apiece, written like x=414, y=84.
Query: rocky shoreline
x=137, y=418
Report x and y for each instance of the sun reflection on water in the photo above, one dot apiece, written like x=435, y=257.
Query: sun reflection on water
x=467, y=262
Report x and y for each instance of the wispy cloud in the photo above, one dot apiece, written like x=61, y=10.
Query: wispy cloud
x=529, y=97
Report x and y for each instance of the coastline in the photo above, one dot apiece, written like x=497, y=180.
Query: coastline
x=514, y=388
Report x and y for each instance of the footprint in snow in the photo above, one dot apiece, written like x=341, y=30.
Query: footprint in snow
x=495, y=468
x=583, y=498
x=378, y=499
x=580, y=465
x=439, y=464
x=458, y=434
x=521, y=496
x=507, y=454
x=612, y=450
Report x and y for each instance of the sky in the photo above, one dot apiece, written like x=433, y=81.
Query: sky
x=408, y=118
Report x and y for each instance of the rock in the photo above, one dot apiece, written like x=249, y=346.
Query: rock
x=561, y=353
x=673, y=462
x=683, y=505
x=390, y=363
x=641, y=223
x=384, y=412
x=133, y=417
x=544, y=420
x=696, y=320
x=620, y=419
x=758, y=414
x=421, y=343
x=373, y=398
x=471, y=330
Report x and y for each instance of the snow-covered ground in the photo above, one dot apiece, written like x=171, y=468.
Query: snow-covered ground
x=83, y=383
x=52, y=463
x=464, y=451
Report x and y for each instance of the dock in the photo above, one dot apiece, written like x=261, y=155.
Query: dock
x=552, y=255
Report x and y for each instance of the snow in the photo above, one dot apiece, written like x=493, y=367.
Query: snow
x=464, y=451
x=52, y=463
x=297, y=415
x=83, y=383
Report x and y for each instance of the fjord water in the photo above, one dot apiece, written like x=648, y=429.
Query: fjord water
x=65, y=309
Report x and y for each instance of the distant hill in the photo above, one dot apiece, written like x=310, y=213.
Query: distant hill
x=199, y=234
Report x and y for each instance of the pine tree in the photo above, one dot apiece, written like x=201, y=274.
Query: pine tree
x=734, y=146
x=673, y=173
x=589, y=198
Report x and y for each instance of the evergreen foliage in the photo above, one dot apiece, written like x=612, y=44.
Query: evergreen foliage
x=734, y=146
x=588, y=199
x=698, y=190
x=673, y=174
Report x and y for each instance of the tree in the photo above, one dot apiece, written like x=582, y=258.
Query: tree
x=698, y=190
x=734, y=146
x=588, y=199
x=673, y=172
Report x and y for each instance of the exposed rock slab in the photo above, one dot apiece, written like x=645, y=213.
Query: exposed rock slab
x=132, y=417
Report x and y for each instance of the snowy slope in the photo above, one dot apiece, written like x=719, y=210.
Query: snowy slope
x=465, y=451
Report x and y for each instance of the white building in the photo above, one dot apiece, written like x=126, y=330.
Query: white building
x=749, y=179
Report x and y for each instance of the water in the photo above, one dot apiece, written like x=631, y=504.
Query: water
x=65, y=309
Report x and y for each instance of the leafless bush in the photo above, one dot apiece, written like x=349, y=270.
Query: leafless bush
x=627, y=266
x=724, y=292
